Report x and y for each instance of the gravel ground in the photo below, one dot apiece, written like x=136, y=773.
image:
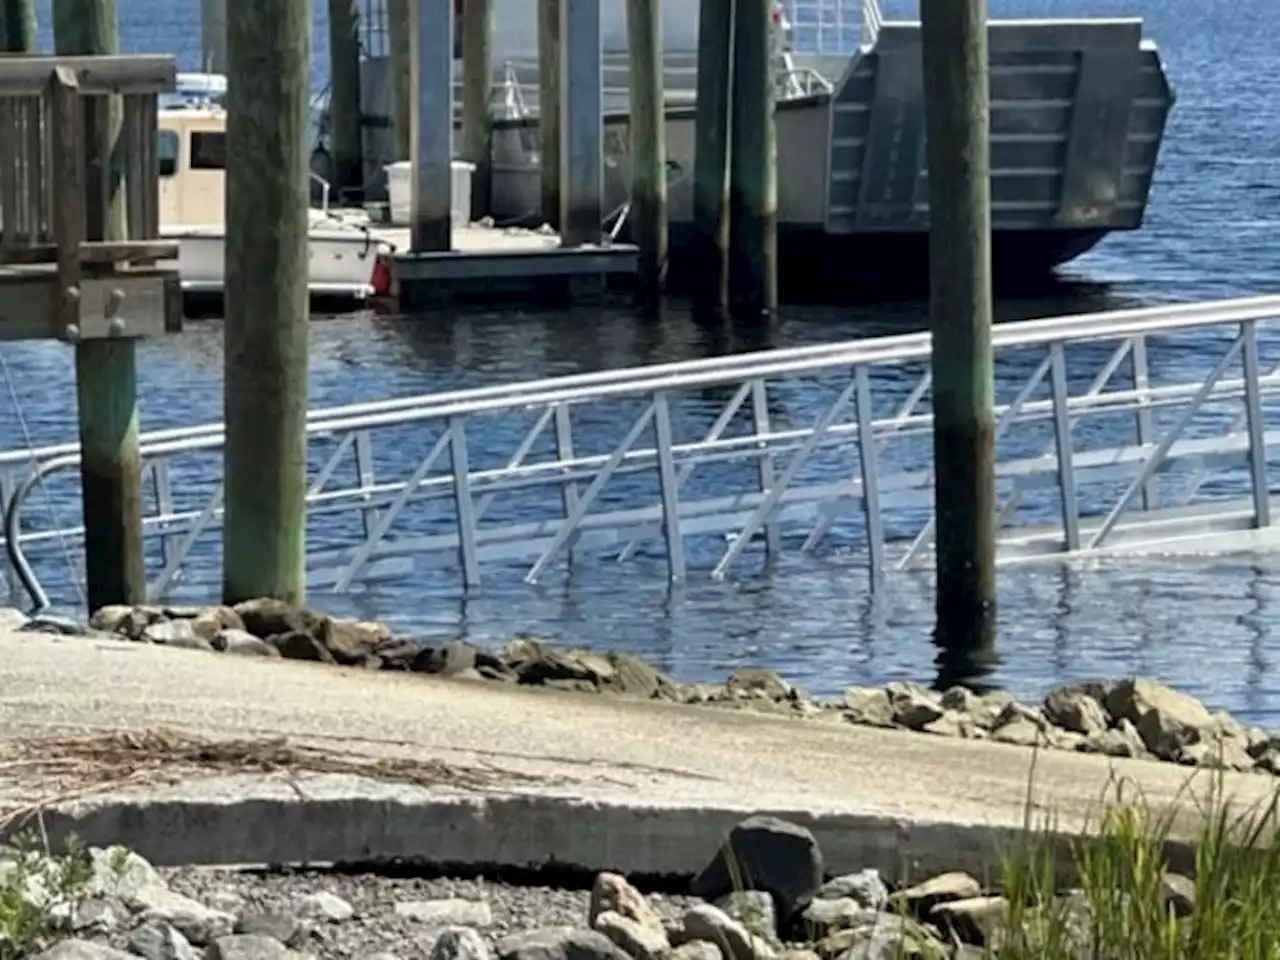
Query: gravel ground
x=375, y=927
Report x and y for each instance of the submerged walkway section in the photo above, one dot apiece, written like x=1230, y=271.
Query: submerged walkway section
x=1136, y=430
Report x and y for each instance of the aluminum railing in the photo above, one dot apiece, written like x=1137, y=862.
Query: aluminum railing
x=1119, y=430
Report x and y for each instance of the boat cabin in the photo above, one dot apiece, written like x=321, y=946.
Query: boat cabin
x=192, y=153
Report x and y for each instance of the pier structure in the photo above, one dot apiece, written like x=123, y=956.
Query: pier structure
x=1109, y=441
x=78, y=264
x=433, y=267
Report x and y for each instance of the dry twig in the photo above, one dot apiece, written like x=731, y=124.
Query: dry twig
x=84, y=766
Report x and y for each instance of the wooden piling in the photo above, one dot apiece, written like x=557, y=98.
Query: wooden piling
x=954, y=38
x=19, y=26
x=710, y=243
x=345, y=132
x=753, y=175
x=549, y=109
x=477, y=84
x=648, y=216
x=398, y=27
x=431, y=150
x=106, y=369
x=213, y=36
x=581, y=123
x=266, y=301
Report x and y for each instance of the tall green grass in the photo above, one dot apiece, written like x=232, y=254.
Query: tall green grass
x=1114, y=901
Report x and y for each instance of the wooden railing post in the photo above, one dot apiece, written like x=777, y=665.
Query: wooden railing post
x=106, y=369
x=62, y=100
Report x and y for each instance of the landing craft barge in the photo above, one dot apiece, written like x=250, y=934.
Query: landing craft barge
x=1078, y=113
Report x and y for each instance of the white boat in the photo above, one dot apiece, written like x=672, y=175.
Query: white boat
x=344, y=254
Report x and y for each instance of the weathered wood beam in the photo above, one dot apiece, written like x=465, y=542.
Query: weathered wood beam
x=26, y=76
x=146, y=302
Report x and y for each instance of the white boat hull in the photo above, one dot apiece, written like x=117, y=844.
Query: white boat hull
x=341, y=261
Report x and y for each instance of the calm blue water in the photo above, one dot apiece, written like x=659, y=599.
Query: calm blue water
x=1207, y=625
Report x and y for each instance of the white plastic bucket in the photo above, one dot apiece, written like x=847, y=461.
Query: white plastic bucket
x=398, y=191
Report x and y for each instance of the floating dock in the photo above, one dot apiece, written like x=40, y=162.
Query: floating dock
x=491, y=262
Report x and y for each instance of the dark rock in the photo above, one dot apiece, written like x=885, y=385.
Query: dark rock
x=61, y=626
x=913, y=705
x=398, y=653
x=765, y=853
x=1166, y=720
x=300, y=646
x=1076, y=711
x=492, y=667
x=960, y=700
x=558, y=943
x=267, y=618
x=445, y=661
x=572, y=665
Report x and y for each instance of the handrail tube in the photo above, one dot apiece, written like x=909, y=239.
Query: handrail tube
x=722, y=448
x=897, y=348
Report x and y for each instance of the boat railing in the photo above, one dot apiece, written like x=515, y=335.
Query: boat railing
x=325, y=189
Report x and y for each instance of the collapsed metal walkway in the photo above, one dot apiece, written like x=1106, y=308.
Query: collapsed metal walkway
x=1140, y=430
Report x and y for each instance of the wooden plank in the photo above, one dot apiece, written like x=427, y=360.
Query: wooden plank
x=37, y=190
x=149, y=165
x=27, y=76
x=133, y=135
x=96, y=252
x=9, y=159
x=151, y=304
x=62, y=97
